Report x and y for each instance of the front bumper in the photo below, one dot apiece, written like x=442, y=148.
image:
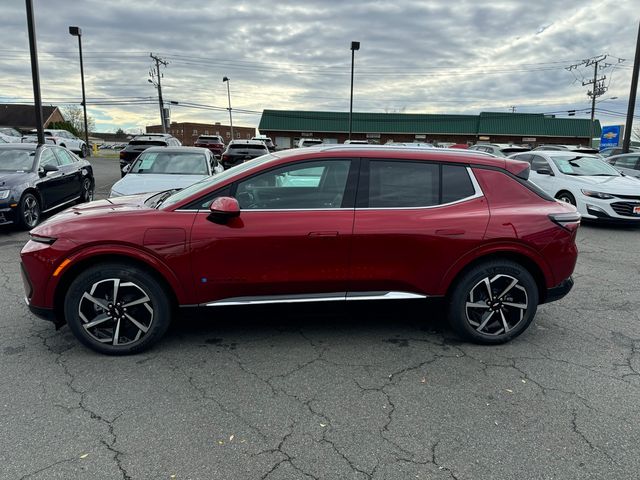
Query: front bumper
x=616, y=210
x=40, y=312
x=559, y=291
x=7, y=216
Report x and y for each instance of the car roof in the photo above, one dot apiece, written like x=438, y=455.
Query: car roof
x=561, y=153
x=19, y=146
x=406, y=153
x=177, y=149
x=622, y=155
x=246, y=142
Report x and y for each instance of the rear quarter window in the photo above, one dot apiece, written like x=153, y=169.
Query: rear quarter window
x=456, y=183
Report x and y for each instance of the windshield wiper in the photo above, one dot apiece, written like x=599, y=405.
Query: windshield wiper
x=164, y=195
x=604, y=175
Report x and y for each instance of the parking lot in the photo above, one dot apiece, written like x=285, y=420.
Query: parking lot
x=333, y=392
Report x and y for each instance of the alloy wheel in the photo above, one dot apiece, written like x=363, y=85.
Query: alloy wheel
x=496, y=305
x=115, y=312
x=87, y=191
x=31, y=211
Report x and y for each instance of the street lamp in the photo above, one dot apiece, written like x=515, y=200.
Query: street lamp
x=354, y=46
x=77, y=32
x=226, y=79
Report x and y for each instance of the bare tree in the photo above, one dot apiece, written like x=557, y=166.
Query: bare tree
x=73, y=115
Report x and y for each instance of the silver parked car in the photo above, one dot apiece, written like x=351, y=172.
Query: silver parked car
x=627, y=163
x=499, y=149
x=166, y=168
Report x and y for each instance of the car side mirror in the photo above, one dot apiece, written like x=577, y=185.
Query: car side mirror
x=224, y=209
x=126, y=168
x=47, y=169
x=544, y=171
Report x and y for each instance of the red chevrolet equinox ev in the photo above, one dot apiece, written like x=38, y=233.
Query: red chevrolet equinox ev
x=324, y=224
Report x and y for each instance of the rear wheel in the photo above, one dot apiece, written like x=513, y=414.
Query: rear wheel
x=29, y=211
x=493, y=302
x=84, y=151
x=86, y=193
x=117, y=309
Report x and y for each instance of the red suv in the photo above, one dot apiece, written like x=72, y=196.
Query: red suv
x=310, y=225
x=212, y=142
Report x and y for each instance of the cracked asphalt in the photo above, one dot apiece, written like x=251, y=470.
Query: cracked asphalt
x=333, y=392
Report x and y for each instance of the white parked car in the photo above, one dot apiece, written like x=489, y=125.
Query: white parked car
x=598, y=190
x=10, y=135
x=61, y=138
x=166, y=168
x=309, y=142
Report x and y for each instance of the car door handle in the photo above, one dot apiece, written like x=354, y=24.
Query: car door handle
x=323, y=234
x=450, y=231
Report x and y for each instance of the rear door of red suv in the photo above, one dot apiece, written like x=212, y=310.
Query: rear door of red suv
x=292, y=237
x=413, y=220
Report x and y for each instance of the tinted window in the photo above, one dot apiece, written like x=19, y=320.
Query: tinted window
x=456, y=183
x=319, y=184
x=537, y=163
x=247, y=147
x=48, y=158
x=155, y=143
x=64, y=158
x=626, y=162
x=403, y=184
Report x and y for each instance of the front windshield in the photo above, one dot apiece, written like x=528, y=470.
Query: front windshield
x=171, y=163
x=16, y=160
x=571, y=164
x=208, y=182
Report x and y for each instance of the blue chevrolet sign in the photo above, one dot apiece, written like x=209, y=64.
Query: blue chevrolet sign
x=611, y=136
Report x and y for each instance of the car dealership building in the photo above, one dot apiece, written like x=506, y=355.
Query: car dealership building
x=286, y=127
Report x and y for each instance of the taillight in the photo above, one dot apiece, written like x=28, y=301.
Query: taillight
x=121, y=154
x=568, y=220
x=225, y=157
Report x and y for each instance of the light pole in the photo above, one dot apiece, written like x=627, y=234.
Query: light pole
x=77, y=32
x=226, y=79
x=35, y=72
x=354, y=46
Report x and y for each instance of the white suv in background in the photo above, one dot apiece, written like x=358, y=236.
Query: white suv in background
x=63, y=139
x=309, y=142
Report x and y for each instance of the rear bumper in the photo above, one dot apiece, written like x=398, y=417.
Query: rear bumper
x=559, y=291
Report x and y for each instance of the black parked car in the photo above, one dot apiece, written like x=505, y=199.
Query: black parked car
x=140, y=143
x=239, y=151
x=36, y=179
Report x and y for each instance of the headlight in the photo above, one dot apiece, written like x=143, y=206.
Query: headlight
x=601, y=195
x=4, y=194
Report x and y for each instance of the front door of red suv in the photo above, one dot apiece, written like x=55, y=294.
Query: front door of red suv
x=413, y=221
x=292, y=237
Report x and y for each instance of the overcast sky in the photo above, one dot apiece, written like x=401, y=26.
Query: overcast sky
x=461, y=56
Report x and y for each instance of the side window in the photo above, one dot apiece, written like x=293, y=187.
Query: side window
x=48, y=158
x=456, y=183
x=537, y=163
x=64, y=157
x=626, y=162
x=319, y=184
x=403, y=184
x=524, y=157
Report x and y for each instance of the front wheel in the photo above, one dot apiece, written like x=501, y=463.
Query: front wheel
x=493, y=302
x=29, y=211
x=117, y=309
x=84, y=151
x=566, y=197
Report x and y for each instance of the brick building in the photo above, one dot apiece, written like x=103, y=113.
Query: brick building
x=286, y=127
x=188, y=132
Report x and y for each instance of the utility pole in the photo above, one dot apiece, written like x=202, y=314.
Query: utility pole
x=157, y=75
x=35, y=72
x=598, y=89
x=513, y=108
x=632, y=98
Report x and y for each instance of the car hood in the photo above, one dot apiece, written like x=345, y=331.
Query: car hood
x=621, y=185
x=10, y=179
x=134, y=183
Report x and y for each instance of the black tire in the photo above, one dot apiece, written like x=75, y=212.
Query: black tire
x=479, y=317
x=86, y=190
x=29, y=211
x=566, y=197
x=124, y=316
x=84, y=151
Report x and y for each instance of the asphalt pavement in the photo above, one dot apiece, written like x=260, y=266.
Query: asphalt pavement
x=382, y=391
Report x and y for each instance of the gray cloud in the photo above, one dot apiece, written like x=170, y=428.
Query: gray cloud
x=421, y=56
